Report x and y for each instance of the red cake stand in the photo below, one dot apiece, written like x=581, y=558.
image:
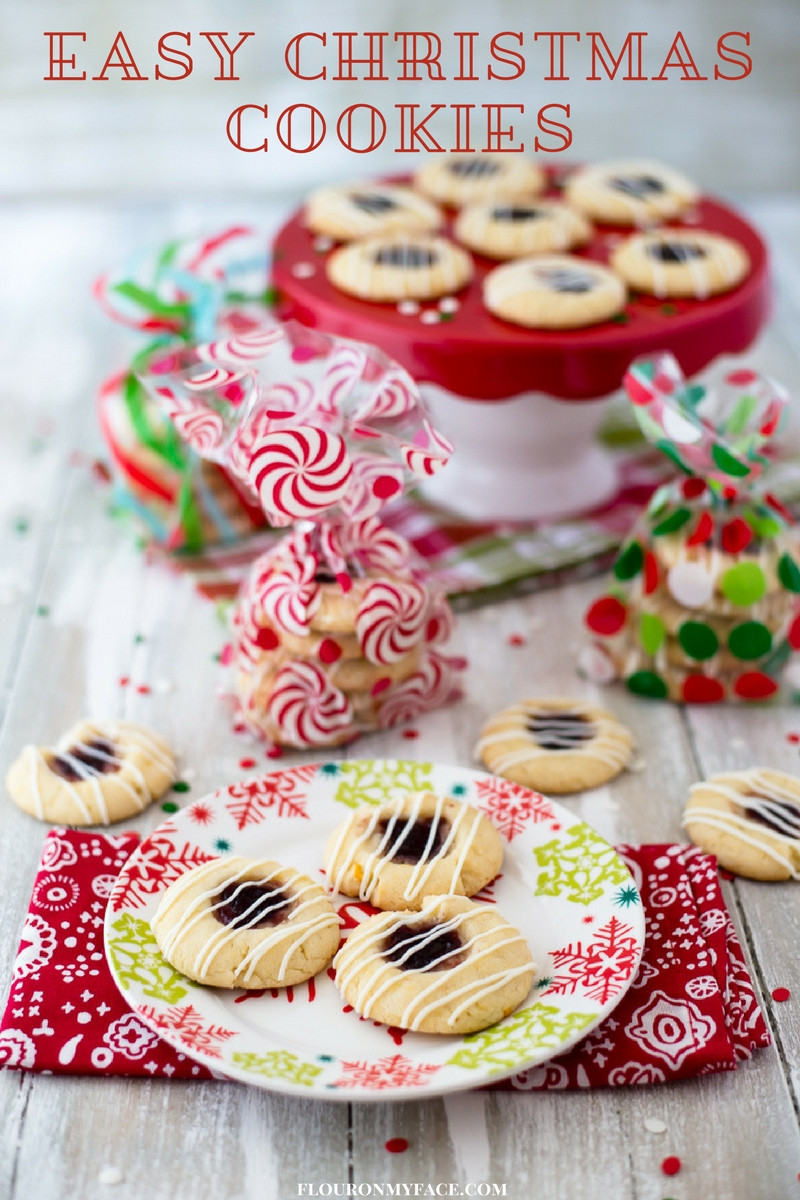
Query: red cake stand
x=523, y=406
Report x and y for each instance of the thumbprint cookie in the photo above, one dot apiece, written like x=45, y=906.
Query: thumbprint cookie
x=395, y=855
x=553, y=291
x=555, y=745
x=749, y=820
x=97, y=773
x=246, y=923
x=681, y=263
x=453, y=967
x=514, y=228
x=631, y=192
x=366, y=210
x=399, y=266
x=458, y=179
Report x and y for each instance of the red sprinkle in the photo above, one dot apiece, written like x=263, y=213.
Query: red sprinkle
x=410, y=734
x=671, y=1165
x=275, y=752
x=781, y=994
x=247, y=763
x=516, y=639
x=143, y=689
x=124, y=680
x=794, y=738
x=397, y=1145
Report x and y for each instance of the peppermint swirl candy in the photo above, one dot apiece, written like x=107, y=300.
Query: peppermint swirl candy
x=429, y=687
x=375, y=481
x=242, y=350
x=395, y=395
x=289, y=595
x=306, y=709
x=299, y=473
x=210, y=380
x=201, y=428
x=429, y=452
x=391, y=619
x=345, y=369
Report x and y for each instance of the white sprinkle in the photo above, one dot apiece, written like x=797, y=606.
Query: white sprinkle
x=110, y=1175
x=189, y=774
x=449, y=304
x=610, y=805
x=736, y=743
x=303, y=270
x=429, y=317
x=163, y=686
x=638, y=764
x=322, y=244
x=408, y=308
x=654, y=1125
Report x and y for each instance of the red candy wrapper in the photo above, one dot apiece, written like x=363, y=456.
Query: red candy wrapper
x=704, y=602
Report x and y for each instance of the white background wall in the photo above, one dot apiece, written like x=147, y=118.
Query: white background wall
x=158, y=138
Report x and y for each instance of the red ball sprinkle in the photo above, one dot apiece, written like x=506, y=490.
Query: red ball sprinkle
x=671, y=1165
x=516, y=639
x=329, y=650
x=124, y=680
x=247, y=764
x=410, y=734
x=781, y=994
x=267, y=639
x=397, y=1145
x=143, y=689
x=794, y=738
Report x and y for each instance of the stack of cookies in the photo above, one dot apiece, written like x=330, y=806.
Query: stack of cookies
x=706, y=593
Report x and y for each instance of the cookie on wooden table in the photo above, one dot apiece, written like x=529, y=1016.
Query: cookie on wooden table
x=453, y=967
x=553, y=291
x=749, y=820
x=555, y=745
x=235, y=922
x=99, y=772
x=395, y=855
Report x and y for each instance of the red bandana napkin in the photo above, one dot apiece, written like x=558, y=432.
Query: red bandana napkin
x=691, y=1010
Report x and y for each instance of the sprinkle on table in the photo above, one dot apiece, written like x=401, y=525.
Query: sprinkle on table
x=671, y=1165
x=396, y=1145
x=781, y=994
x=180, y=785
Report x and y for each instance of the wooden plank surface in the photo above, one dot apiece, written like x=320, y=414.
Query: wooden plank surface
x=80, y=609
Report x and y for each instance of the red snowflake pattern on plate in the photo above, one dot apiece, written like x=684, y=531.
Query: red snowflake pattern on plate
x=159, y=863
x=195, y=1033
x=511, y=807
x=279, y=794
x=597, y=969
x=394, y=1072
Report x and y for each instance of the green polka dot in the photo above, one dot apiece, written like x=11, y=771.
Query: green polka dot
x=789, y=573
x=629, y=562
x=647, y=683
x=698, y=640
x=651, y=632
x=676, y=520
x=750, y=640
x=727, y=463
x=180, y=786
x=764, y=527
x=743, y=584
x=169, y=806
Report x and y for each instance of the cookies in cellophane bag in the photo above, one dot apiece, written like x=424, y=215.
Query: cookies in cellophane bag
x=705, y=596
x=339, y=627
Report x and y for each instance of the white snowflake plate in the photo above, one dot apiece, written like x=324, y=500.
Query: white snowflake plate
x=564, y=887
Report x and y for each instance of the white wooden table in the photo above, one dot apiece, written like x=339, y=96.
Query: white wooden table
x=74, y=595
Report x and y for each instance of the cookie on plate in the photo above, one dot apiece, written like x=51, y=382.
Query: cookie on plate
x=553, y=291
x=235, y=922
x=630, y=192
x=555, y=745
x=453, y=967
x=750, y=820
x=514, y=228
x=368, y=210
x=681, y=263
x=395, y=855
x=458, y=179
x=99, y=772
x=399, y=266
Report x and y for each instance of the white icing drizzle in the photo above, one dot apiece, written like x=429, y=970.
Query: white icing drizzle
x=610, y=744
x=441, y=276
x=127, y=775
x=391, y=844
x=769, y=793
x=358, y=954
x=296, y=931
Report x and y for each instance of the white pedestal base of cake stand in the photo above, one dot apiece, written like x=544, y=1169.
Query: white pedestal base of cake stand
x=522, y=459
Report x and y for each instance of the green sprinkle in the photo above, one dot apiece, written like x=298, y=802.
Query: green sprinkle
x=169, y=806
x=22, y=525
x=180, y=786
x=139, y=638
x=620, y=318
x=668, y=310
x=42, y=610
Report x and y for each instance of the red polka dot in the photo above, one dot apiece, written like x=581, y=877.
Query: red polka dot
x=755, y=685
x=226, y=654
x=638, y=392
x=606, y=616
x=741, y=377
x=729, y=492
x=385, y=486
x=303, y=354
x=736, y=535
x=781, y=994
x=692, y=488
x=703, y=530
x=516, y=639
x=247, y=763
x=396, y=1145
x=650, y=574
x=380, y=685
x=410, y=734
x=329, y=650
x=433, y=629
x=701, y=689
x=671, y=1165
x=267, y=639
x=793, y=635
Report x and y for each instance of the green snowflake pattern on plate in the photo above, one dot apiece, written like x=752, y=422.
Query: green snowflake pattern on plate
x=513, y=1042
x=368, y=782
x=580, y=869
x=278, y=1064
x=138, y=960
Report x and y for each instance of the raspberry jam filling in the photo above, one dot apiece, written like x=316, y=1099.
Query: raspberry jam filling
x=473, y=168
x=412, y=841
x=560, y=730
x=251, y=905
x=675, y=252
x=638, y=186
x=778, y=815
x=405, y=256
x=514, y=213
x=374, y=204
x=564, y=280
x=421, y=948
x=97, y=757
